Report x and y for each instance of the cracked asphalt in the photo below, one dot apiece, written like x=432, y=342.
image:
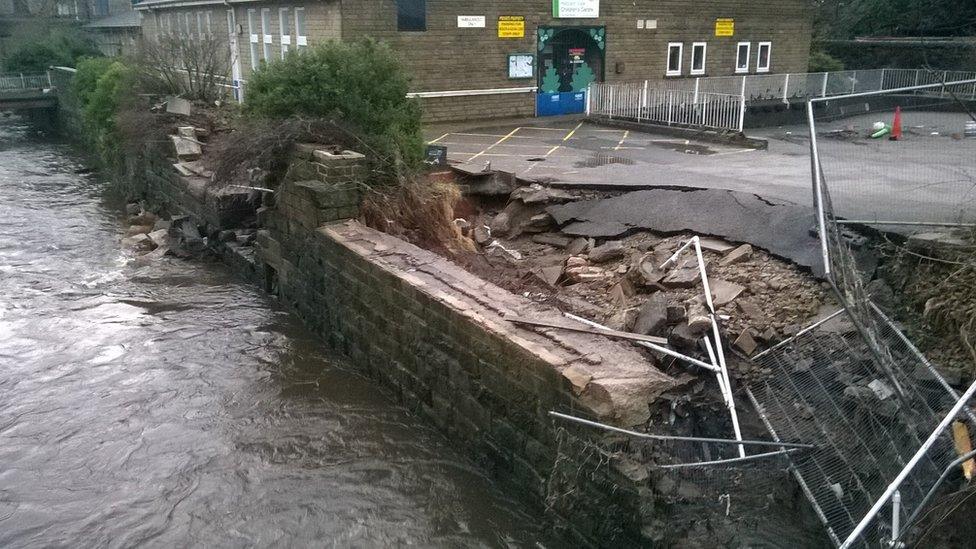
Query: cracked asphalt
x=924, y=177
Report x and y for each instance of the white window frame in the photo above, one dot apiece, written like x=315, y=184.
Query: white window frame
x=284, y=22
x=301, y=40
x=199, y=25
x=208, y=19
x=738, y=69
x=704, y=48
x=668, y=71
x=253, y=38
x=769, y=56
x=266, y=32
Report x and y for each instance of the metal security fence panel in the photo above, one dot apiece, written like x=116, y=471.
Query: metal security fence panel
x=899, y=157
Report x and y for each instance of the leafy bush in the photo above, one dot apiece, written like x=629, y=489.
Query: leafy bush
x=821, y=61
x=57, y=46
x=362, y=84
x=100, y=86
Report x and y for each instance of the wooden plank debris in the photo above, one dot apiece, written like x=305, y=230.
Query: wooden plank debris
x=964, y=445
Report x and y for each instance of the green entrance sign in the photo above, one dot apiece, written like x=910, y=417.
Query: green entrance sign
x=576, y=9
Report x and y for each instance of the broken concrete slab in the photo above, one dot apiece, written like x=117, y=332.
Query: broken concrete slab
x=578, y=246
x=185, y=148
x=685, y=274
x=514, y=219
x=607, y=252
x=724, y=292
x=746, y=343
x=652, y=317
x=178, y=105
x=537, y=194
x=552, y=239
x=777, y=226
x=716, y=245
x=738, y=255
x=550, y=275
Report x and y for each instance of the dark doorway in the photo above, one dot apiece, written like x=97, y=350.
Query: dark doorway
x=570, y=58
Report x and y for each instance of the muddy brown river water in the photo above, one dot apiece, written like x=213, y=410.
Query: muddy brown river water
x=171, y=405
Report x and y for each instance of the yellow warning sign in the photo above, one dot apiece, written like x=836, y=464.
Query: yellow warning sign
x=511, y=26
x=725, y=27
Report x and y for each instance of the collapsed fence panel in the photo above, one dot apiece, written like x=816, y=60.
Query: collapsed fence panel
x=876, y=407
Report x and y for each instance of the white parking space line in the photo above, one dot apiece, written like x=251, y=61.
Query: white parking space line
x=438, y=139
x=499, y=142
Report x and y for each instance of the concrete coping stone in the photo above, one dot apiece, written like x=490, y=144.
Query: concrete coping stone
x=326, y=156
x=612, y=381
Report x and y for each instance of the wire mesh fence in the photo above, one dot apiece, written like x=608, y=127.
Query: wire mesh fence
x=926, y=176
x=827, y=386
x=855, y=384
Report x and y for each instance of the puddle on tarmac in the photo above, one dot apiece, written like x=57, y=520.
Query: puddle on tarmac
x=689, y=148
x=602, y=159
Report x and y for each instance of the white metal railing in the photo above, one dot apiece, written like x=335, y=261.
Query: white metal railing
x=642, y=103
x=24, y=82
x=788, y=87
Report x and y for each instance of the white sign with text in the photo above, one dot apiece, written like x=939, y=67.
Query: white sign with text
x=584, y=9
x=471, y=21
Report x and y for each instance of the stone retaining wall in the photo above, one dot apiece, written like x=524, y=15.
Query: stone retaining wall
x=438, y=337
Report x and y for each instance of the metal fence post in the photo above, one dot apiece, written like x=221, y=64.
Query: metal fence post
x=881, y=85
x=696, y=90
x=49, y=83
x=918, y=74
x=670, y=105
x=742, y=91
x=644, y=97
x=823, y=89
x=23, y=81
x=786, y=87
x=742, y=112
x=613, y=94
x=589, y=90
x=854, y=82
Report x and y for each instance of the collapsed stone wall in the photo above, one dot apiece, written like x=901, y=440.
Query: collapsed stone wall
x=438, y=337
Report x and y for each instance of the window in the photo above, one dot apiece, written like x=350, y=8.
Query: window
x=674, y=58
x=301, y=40
x=200, y=25
x=698, y=57
x=266, y=32
x=762, y=58
x=284, y=26
x=253, y=32
x=742, y=57
x=411, y=15
x=188, y=24
x=208, y=27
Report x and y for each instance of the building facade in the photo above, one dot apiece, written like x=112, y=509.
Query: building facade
x=486, y=59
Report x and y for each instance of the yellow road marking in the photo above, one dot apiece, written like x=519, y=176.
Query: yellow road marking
x=438, y=139
x=565, y=139
x=622, y=139
x=492, y=146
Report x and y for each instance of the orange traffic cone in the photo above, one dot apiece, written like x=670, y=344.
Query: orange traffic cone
x=896, y=125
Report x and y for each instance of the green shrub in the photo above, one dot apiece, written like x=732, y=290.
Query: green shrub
x=361, y=84
x=99, y=88
x=56, y=46
x=821, y=61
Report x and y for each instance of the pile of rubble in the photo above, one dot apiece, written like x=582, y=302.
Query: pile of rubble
x=153, y=237
x=621, y=283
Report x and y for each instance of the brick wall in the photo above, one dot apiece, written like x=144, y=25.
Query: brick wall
x=448, y=58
